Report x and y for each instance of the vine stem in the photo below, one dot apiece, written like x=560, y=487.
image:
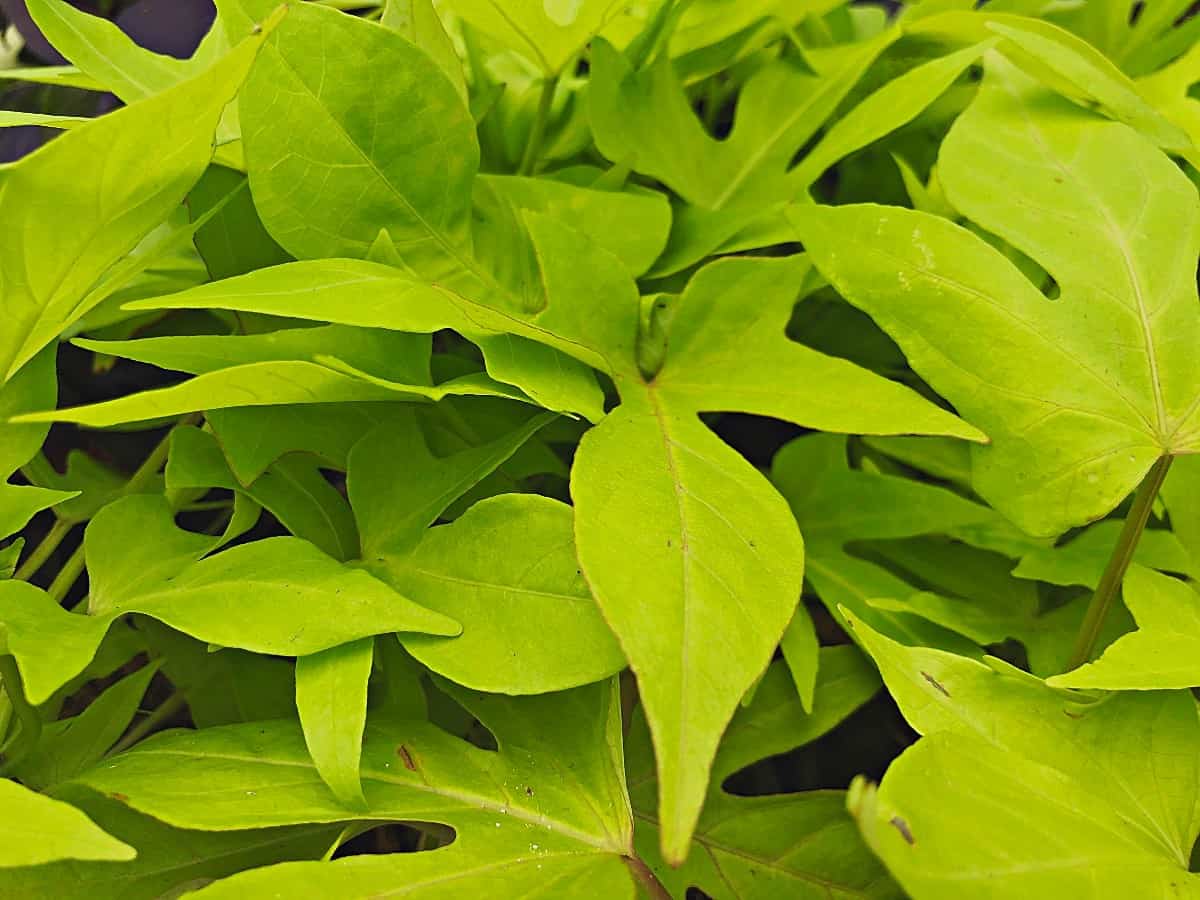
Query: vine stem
x=1122, y=555
x=646, y=878
x=537, y=134
x=42, y=552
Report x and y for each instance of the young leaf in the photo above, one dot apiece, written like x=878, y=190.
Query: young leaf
x=512, y=809
x=331, y=697
x=38, y=829
x=1077, y=411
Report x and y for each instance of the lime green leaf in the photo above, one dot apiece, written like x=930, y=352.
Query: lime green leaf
x=645, y=113
x=781, y=845
x=1082, y=560
x=1179, y=492
x=1072, y=436
x=34, y=386
x=260, y=384
x=102, y=50
x=717, y=547
x=292, y=489
x=16, y=119
x=834, y=504
x=1162, y=653
x=331, y=697
x=254, y=437
x=168, y=859
x=365, y=178
x=223, y=686
x=1007, y=772
x=510, y=811
x=632, y=226
x=418, y=21
x=506, y=570
x=548, y=32
x=280, y=595
x=174, y=128
x=372, y=295
x=41, y=830
x=393, y=513
x=69, y=746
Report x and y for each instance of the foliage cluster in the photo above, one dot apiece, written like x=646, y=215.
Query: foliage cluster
x=575, y=438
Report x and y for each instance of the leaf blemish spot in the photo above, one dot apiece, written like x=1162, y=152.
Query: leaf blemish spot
x=938, y=686
x=901, y=826
x=407, y=758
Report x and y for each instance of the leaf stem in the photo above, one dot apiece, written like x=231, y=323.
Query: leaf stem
x=646, y=878
x=1118, y=563
x=165, y=710
x=31, y=722
x=537, y=134
x=45, y=548
x=67, y=576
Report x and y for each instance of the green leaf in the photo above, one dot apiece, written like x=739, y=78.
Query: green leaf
x=331, y=697
x=1162, y=653
x=371, y=295
x=168, y=860
x=1008, y=771
x=34, y=386
x=174, y=128
x=506, y=570
x=254, y=437
x=380, y=180
x=511, y=810
x=292, y=489
x=647, y=114
x=103, y=51
x=280, y=595
x=234, y=241
x=418, y=21
x=834, y=505
x=1081, y=561
x=393, y=512
x=262, y=384
x=368, y=178
x=550, y=33
x=1070, y=437
x=632, y=226
x=781, y=845
x=1178, y=491
x=69, y=746
x=222, y=686
x=717, y=548
x=41, y=830
x=15, y=119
